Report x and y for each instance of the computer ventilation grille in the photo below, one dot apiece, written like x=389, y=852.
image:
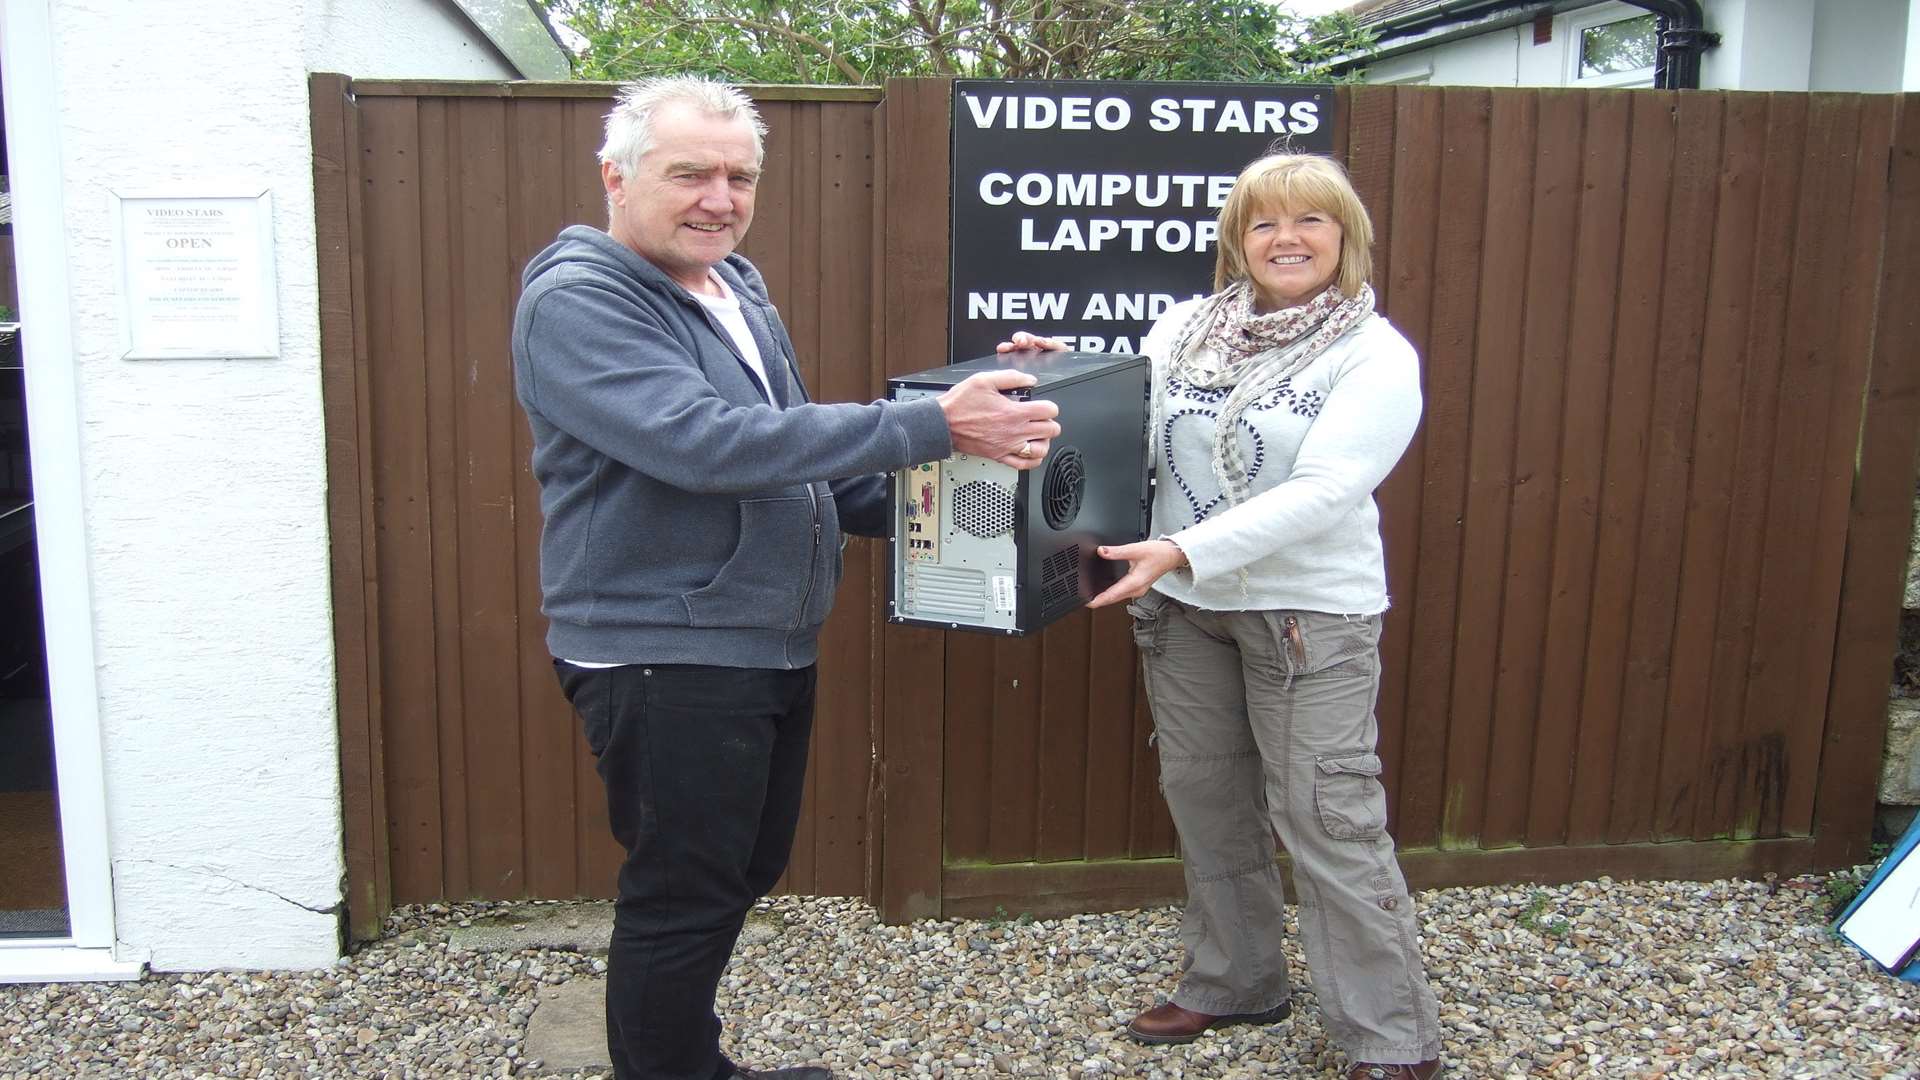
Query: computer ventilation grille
x=1060, y=581
x=1062, y=490
x=983, y=508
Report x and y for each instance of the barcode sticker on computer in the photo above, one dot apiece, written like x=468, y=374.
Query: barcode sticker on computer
x=1003, y=592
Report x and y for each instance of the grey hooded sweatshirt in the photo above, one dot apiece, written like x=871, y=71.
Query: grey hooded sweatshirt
x=688, y=518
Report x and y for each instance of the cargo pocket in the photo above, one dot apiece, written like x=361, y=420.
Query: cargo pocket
x=1348, y=796
x=1338, y=646
x=1149, y=620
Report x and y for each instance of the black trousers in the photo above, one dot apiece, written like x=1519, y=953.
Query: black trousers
x=704, y=769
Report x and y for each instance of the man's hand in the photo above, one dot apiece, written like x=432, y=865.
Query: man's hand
x=1147, y=562
x=986, y=423
x=1023, y=340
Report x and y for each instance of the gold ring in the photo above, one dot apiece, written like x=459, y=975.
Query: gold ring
x=1026, y=448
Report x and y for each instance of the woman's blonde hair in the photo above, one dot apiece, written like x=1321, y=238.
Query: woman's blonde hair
x=1291, y=183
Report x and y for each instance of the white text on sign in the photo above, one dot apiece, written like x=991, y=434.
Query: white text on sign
x=1019, y=113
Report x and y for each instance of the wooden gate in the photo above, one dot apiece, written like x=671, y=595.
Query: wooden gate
x=1645, y=550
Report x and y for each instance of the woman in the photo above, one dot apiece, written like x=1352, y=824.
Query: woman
x=1279, y=403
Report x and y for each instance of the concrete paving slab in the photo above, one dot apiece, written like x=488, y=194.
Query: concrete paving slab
x=762, y=926
x=582, y=927
x=569, y=1026
x=568, y=1029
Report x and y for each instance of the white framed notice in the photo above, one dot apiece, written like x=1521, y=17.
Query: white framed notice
x=196, y=276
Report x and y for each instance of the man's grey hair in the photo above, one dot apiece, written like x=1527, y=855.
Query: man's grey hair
x=630, y=124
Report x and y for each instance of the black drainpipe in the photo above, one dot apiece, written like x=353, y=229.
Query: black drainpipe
x=1683, y=37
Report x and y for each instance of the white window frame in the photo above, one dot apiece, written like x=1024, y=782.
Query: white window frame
x=1578, y=22
x=88, y=951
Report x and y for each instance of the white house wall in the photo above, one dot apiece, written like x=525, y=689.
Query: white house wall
x=205, y=479
x=1910, y=64
x=1490, y=59
x=1838, y=45
x=1504, y=57
x=1764, y=45
x=415, y=39
x=1859, y=45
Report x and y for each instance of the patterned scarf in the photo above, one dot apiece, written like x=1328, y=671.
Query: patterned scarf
x=1226, y=344
x=1237, y=335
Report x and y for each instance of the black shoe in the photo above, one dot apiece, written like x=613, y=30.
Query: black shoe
x=803, y=1072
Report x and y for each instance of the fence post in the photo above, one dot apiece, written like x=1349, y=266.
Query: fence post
x=336, y=212
x=912, y=127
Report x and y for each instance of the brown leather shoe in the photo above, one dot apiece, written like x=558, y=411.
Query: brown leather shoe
x=1169, y=1023
x=1367, y=1070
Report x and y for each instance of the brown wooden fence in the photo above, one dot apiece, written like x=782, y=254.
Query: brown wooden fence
x=1645, y=550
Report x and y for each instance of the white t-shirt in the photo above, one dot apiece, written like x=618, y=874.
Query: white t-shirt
x=1308, y=538
x=726, y=309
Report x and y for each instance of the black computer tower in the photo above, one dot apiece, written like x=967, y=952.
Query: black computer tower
x=977, y=545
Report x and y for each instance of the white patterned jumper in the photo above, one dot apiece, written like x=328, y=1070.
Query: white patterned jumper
x=1309, y=537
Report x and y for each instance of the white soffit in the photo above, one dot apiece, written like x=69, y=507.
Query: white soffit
x=520, y=35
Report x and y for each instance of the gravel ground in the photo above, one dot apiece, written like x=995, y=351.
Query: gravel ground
x=1598, y=979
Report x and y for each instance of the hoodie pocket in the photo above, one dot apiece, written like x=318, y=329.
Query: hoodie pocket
x=828, y=559
x=771, y=581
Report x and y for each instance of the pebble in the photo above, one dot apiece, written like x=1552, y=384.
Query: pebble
x=1595, y=979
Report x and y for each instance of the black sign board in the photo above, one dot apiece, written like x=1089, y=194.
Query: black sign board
x=1083, y=210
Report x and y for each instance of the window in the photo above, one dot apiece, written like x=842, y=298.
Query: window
x=1611, y=45
x=1616, y=48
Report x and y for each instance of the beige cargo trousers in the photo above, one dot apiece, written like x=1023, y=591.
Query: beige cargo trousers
x=1265, y=724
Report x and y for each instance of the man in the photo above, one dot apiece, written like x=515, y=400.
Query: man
x=694, y=500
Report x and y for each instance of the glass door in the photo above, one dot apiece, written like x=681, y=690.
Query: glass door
x=33, y=894
x=56, y=882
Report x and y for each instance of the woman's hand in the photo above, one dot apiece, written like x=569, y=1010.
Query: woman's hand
x=1147, y=562
x=1023, y=340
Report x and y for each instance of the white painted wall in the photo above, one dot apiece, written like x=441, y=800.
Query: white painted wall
x=417, y=39
x=1764, y=45
x=1910, y=69
x=1838, y=45
x=1859, y=45
x=1504, y=57
x=204, y=481
x=1490, y=59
